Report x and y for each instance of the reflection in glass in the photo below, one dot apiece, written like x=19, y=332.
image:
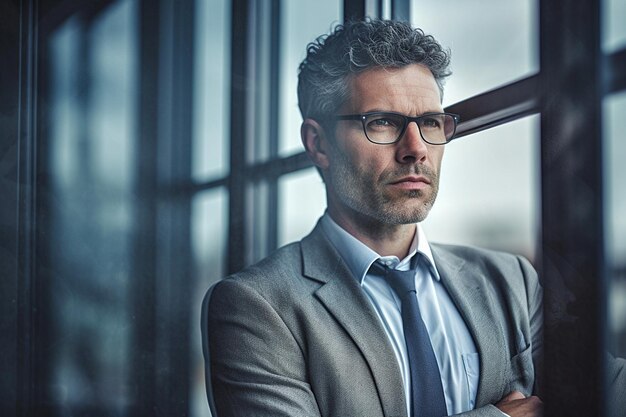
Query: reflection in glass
x=489, y=190
x=301, y=23
x=211, y=88
x=615, y=203
x=496, y=45
x=91, y=142
x=209, y=225
x=301, y=201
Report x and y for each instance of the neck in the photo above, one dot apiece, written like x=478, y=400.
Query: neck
x=384, y=239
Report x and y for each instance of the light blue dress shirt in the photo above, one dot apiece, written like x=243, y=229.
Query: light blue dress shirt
x=454, y=347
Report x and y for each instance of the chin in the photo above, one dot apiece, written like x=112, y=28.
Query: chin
x=406, y=216
x=419, y=214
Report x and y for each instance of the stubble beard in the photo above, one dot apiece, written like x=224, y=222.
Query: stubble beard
x=364, y=195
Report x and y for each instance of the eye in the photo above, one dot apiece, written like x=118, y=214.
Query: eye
x=382, y=122
x=431, y=122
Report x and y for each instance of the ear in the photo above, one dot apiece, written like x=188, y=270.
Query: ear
x=315, y=142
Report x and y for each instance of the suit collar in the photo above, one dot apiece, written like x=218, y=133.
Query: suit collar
x=466, y=285
x=320, y=261
x=464, y=282
x=359, y=257
x=346, y=301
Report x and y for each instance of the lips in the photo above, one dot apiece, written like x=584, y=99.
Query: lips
x=416, y=179
x=411, y=183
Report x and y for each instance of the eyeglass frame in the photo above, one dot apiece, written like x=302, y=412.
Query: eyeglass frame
x=407, y=120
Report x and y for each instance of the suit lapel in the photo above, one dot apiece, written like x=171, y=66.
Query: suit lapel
x=466, y=286
x=346, y=301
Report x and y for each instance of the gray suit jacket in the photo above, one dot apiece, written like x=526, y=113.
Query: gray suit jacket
x=295, y=335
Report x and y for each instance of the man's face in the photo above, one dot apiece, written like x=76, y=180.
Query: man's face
x=384, y=184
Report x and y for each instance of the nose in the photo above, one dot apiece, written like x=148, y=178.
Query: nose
x=411, y=148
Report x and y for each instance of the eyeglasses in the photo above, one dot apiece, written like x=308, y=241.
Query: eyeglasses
x=385, y=128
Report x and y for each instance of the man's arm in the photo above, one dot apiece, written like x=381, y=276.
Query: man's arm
x=257, y=366
x=516, y=404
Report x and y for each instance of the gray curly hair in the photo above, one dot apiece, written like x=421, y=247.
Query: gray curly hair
x=355, y=47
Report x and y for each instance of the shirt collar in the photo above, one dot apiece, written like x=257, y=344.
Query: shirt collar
x=359, y=257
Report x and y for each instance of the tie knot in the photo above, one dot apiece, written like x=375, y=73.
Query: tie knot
x=402, y=282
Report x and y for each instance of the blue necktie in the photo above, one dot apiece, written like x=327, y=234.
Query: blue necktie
x=426, y=389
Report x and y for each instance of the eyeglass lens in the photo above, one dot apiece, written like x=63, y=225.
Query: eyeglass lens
x=387, y=127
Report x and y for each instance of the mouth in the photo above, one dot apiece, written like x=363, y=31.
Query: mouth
x=411, y=182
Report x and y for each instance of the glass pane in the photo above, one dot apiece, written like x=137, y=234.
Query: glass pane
x=301, y=23
x=614, y=28
x=91, y=204
x=209, y=225
x=302, y=200
x=615, y=172
x=258, y=229
x=211, y=89
x=497, y=45
x=489, y=190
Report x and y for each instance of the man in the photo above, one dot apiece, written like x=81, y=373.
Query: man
x=321, y=327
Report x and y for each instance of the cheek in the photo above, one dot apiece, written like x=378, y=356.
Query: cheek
x=362, y=159
x=437, y=157
x=373, y=167
x=352, y=157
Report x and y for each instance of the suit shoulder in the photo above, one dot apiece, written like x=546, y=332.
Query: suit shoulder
x=277, y=278
x=493, y=262
x=475, y=253
x=286, y=260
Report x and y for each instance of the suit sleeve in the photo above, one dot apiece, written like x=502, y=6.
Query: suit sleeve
x=486, y=411
x=534, y=298
x=257, y=367
x=616, y=379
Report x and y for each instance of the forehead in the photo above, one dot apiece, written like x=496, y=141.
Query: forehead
x=411, y=90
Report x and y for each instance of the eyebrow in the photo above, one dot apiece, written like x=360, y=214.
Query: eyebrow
x=404, y=114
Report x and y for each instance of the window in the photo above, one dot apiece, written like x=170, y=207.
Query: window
x=302, y=201
x=614, y=30
x=301, y=23
x=494, y=45
x=208, y=226
x=211, y=81
x=92, y=150
x=615, y=171
x=488, y=192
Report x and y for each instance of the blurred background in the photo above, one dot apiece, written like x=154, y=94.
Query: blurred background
x=152, y=147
